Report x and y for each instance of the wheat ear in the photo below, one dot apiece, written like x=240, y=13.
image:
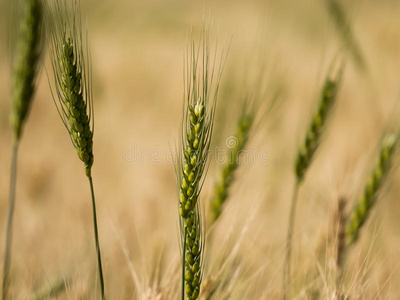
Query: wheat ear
x=74, y=102
x=305, y=156
x=201, y=85
x=27, y=55
x=221, y=189
x=361, y=211
x=342, y=24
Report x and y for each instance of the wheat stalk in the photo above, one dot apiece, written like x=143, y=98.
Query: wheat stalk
x=305, y=156
x=201, y=85
x=72, y=72
x=27, y=55
x=342, y=24
x=341, y=218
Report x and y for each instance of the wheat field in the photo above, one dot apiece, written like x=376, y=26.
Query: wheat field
x=137, y=50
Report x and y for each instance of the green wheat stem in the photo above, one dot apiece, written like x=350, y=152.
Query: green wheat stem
x=10, y=217
x=289, y=240
x=96, y=236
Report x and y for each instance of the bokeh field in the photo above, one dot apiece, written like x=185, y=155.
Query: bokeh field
x=137, y=50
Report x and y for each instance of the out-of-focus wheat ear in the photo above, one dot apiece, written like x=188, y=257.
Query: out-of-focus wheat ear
x=314, y=133
x=239, y=141
x=362, y=209
x=26, y=39
x=56, y=288
x=342, y=25
x=26, y=54
x=306, y=154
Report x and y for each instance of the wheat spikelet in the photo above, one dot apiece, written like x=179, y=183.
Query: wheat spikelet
x=197, y=122
x=313, y=136
x=361, y=211
x=241, y=137
x=27, y=55
x=194, y=248
x=200, y=95
x=71, y=66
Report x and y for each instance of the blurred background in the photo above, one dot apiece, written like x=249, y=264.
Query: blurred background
x=137, y=50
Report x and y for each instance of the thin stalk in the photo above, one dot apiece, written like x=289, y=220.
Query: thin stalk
x=286, y=269
x=11, y=208
x=183, y=265
x=341, y=265
x=96, y=236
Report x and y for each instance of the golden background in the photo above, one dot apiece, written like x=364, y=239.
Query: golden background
x=137, y=50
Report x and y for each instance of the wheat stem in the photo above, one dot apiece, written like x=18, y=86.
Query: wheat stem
x=286, y=269
x=11, y=207
x=96, y=235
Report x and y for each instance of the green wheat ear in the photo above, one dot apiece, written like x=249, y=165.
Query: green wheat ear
x=201, y=85
x=27, y=55
x=304, y=159
x=363, y=208
x=72, y=73
x=194, y=244
x=313, y=136
x=342, y=24
x=221, y=190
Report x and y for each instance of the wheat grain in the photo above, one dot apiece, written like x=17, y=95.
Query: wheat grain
x=194, y=248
